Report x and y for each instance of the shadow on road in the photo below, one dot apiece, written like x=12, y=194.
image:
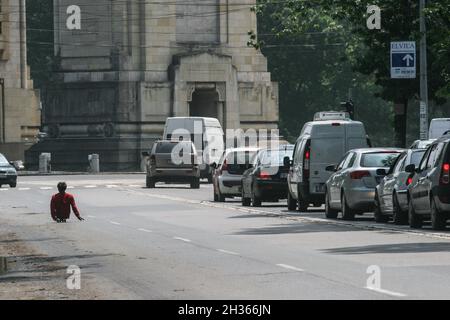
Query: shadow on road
x=295, y=228
x=393, y=248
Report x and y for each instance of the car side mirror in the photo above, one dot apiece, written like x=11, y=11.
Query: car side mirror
x=381, y=172
x=331, y=168
x=145, y=154
x=411, y=168
x=287, y=162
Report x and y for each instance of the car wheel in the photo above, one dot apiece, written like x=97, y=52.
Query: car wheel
x=195, y=184
x=415, y=221
x=13, y=185
x=330, y=213
x=399, y=216
x=347, y=212
x=302, y=205
x=291, y=202
x=245, y=201
x=438, y=220
x=378, y=214
x=150, y=182
x=256, y=201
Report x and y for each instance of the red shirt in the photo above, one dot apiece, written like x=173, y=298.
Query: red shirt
x=60, y=206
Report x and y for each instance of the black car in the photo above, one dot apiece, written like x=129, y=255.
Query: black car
x=266, y=180
x=429, y=191
x=8, y=174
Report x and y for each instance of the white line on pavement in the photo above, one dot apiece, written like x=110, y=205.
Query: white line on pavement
x=134, y=186
x=90, y=187
x=144, y=230
x=228, y=252
x=71, y=187
x=182, y=239
x=110, y=186
x=4, y=189
x=46, y=188
x=115, y=223
x=24, y=189
x=285, y=266
x=390, y=293
x=92, y=217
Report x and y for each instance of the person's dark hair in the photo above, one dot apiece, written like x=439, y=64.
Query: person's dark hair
x=62, y=186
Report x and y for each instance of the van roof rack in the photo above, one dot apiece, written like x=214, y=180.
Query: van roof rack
x=331, y=115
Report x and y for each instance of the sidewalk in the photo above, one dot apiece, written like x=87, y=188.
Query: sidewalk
x=67, y=173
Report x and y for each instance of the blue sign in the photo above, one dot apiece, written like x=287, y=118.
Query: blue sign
x=403, y=60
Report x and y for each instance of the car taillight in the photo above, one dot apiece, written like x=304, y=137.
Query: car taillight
x=445, y=176
x=409, y=181
x=358, y=175
x=264, y=175
x=306, y=164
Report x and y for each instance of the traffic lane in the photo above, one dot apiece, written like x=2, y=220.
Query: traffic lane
x=153, y=264
x=182, y=219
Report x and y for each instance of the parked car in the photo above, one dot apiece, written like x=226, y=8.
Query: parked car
x=228, y=172
x=173, y=162
x=391, y=194
x=207, y=135
x=438, y=127
x=8, y=174
x=321, y=143
x=429, y=191
x=351, y=188
x=266, y=180
x=422, y=144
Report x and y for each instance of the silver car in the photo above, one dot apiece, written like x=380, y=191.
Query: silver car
x=228, y=172
x=391, y=196
x=351, y=188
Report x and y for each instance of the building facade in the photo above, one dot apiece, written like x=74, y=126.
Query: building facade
x=19, y=103
x=134, y=63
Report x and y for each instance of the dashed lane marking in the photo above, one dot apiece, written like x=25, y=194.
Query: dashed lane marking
x=90, y=187
x=115, y=223
x=182, y=239
x=92, y=217
x=228, y=252
x=144, y=230
x=46, y=188
x=383, y=291
x=286, y=266
x=24, y=189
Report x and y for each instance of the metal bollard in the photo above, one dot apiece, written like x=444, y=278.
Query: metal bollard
x=3, y=265
x=94, y=163
x=44, y=163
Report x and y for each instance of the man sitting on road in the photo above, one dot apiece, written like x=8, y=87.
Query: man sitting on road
x=61, y=203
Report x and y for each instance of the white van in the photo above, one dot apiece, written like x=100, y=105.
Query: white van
x=321, y=143
x=207, y=135
x=439, y=127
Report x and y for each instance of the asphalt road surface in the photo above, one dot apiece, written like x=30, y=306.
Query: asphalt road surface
x=176, y=243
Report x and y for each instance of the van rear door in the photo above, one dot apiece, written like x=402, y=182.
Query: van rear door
x=327, y=148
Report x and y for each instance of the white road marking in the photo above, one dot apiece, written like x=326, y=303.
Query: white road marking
x=228, y=252
x=90, y=187
x=115, y=223
x=144, y=230
x=182, y=239
x=4, y=189
x=92, y=217
x=110, y=186
x=134, y=186
x=46, y=188
x=390, y=293
x=24, y=189
x=70, y=187
x=285, y=266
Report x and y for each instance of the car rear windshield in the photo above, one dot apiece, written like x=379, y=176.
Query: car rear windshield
x=240, y=157
x=3, y=160
x=276, y=157
x=416, y=157
x=167, y=147
x=379, y=159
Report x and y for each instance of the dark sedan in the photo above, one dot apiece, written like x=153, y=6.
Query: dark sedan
x=266, y=180
x=8, y=174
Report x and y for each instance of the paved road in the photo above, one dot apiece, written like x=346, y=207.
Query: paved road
x=175, y=243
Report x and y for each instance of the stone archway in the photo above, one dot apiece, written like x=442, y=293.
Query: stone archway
x=207, y=100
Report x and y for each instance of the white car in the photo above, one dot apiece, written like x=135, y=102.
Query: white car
x=228, y=172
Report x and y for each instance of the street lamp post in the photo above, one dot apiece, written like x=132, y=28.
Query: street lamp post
x=2, y=84
x=423, y=75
